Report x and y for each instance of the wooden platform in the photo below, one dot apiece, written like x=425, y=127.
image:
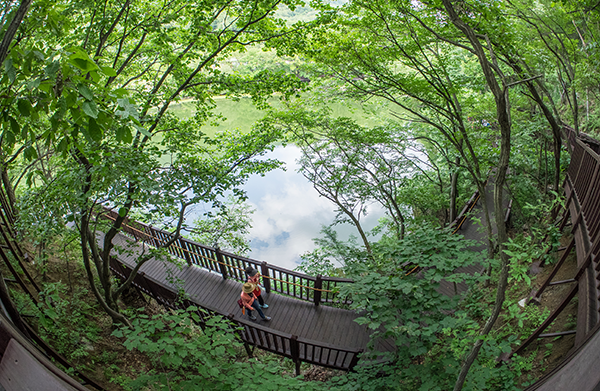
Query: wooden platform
x=320, y=323
x=326, y=326
x=473, y=231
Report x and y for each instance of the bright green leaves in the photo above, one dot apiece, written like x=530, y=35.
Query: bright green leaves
x=108, y=71
x=406, y=308
x=82, y=60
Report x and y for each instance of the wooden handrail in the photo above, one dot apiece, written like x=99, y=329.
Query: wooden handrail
x=155, y=234
x=239, y=268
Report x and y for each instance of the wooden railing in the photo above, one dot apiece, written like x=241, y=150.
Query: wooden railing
x=462, y=216
x=287, y=345
x=319, y=289
x=582, y=208
x=24, y=367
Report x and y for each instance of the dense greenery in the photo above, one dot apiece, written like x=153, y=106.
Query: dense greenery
x=105, y=104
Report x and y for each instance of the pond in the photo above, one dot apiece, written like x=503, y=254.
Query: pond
x=289, y=212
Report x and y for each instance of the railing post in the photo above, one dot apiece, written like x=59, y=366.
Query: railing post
x=318, y=292
x=153, y=240
x=355, y=359
x=186, y=252
x=221, y=262
x=295, y=350
x=264, y=270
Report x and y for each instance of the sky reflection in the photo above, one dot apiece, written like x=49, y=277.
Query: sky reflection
x=289, y=213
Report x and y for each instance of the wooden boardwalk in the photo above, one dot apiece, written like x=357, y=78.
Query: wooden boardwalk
x=325, y=324
x=318, y=328
x=471, y=230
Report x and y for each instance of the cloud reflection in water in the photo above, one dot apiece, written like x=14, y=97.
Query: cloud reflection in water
x=289, y=213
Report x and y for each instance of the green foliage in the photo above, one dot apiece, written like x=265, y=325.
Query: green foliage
x=331, y=255
x=228, y=228
x=65, y=321
x=522, y=252
x=188, y=357
x=407, y=309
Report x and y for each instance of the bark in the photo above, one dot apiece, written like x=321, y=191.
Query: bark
x=454, y=191
x=12, y=29
x=552, y=120
x=358, y=226
x=10, y=191
x=116, y=316
x=504, y=121
x=4, y=48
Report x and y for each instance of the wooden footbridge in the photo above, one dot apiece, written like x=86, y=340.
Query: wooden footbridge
x=301, y=328
x=304, y=327
x=581, y=214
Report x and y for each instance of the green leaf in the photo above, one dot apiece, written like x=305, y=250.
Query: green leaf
x=90, y=109
x=123, y=213
x=63, y=145
x=51, y=313
x=124, y=134
x=51, y=69
x=10, y=70
x=83, y=62
x=9, y=137
x=94, y=131
x=14, y=125
x=143, y=131
x=108, y=71
x=85, y=92
x=34, y=83
x=24, y=107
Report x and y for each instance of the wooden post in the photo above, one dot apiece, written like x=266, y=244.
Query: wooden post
x=186, y=251
x=221, y=262
x=355, y=359
x=264, y=270
x=295, y=350
x=318, y=292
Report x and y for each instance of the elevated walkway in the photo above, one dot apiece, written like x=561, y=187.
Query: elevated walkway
x=301, y=327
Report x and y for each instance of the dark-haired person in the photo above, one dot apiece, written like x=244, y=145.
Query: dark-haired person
x=253, y=276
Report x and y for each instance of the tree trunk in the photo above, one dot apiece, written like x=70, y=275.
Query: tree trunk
x=504, y=121
x=454, y=191
x=10, y=191
x=12, y=29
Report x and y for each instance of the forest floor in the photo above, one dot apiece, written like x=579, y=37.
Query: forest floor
x=544, y=354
